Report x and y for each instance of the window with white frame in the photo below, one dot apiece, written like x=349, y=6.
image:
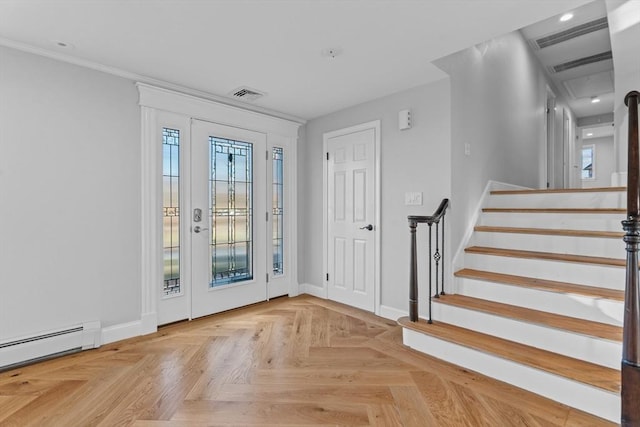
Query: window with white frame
x=588, y=161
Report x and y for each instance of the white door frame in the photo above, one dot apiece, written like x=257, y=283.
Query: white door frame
x=550, y=119
x=375, y=125
x=152, y=100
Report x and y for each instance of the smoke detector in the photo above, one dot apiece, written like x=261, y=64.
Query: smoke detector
x=245, y=93
x=331, y=52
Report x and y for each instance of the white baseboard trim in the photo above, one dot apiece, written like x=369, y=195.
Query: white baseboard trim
x=294, y=289
x=391, y=313
x=313, y=290
x=148, y=323
x=122, y=331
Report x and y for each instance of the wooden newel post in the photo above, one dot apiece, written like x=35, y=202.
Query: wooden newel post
x=630, y=397
x=413, y=274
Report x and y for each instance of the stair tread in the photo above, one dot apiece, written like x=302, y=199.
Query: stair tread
x=550, y=231
x=578, y=370
x=557, y=210
x=560, y=190
x=516, y=253
x=547, y=285
x=557, y=321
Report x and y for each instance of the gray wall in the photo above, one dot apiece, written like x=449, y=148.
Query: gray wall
x=417, y=159
x=625, y=33
x=498, y=95
x=69, y=192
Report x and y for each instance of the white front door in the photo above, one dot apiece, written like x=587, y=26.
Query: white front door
x=351, y=217
x=228, y=217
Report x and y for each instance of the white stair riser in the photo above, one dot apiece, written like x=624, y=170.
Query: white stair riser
x=586, y=398
x=600, y=222
x=611, y=199
x=590, y=246
x=572, y=305
x=583, y=347
x=571, y=272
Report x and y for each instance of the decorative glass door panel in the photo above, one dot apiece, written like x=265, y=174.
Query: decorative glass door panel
x=171, y=210
x=277, y=210
x=230, y=211
x=174, y=298
x=228, y=219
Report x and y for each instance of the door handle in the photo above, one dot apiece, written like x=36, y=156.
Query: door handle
x=367, y=227
x=198, y=229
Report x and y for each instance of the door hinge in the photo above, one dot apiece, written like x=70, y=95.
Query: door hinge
x=327, y=155
x=267, y=277
x=266, y=216
x=266, y=157
x=327, y=277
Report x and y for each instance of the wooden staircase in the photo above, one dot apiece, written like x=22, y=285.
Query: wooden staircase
x=539, y=301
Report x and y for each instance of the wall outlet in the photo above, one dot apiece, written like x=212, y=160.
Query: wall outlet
x=413, y=198
x=467, y=149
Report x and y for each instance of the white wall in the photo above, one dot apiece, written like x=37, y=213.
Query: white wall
x=417, y=159
x=604, y=161
x=624, y=29
x=498, y=95
x=69, y=196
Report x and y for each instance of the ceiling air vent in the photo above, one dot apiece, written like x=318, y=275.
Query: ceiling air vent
x=246, y=94
x=581, y=61
x=571, y=33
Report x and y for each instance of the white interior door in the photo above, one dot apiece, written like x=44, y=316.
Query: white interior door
x=351, y=218
x=228, y=211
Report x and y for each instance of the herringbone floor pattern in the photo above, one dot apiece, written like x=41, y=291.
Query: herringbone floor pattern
x=299, y=361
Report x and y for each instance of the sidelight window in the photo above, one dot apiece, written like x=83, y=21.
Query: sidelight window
x=171, y=210
x=278, y=211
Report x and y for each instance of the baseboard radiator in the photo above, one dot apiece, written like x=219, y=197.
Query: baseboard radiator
x=32, y=348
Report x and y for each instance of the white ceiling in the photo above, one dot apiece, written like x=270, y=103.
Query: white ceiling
x=274, y=46
x=578, y=85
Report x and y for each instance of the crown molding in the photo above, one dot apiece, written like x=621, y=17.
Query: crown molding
x=58, y=56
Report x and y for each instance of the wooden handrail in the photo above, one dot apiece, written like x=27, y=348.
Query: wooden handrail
x=414, y=220
x=431, y=219
x=630, y=398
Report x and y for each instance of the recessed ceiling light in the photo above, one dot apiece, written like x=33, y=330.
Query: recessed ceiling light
x=566, y=17
x=595, y=99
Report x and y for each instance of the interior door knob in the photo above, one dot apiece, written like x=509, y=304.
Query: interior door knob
x=367, y=227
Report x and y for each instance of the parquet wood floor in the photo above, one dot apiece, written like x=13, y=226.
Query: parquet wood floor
x=292, y=361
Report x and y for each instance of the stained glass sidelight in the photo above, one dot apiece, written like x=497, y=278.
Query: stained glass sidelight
x=277, y=211
x=171, y=210
x=231, y=214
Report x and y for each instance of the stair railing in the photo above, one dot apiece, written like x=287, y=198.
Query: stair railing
x=438, y=219
x=630, y=398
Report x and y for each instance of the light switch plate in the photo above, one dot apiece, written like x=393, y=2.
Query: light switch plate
x=413, y=198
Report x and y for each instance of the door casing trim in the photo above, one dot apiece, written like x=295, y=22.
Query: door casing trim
x=151, y=100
